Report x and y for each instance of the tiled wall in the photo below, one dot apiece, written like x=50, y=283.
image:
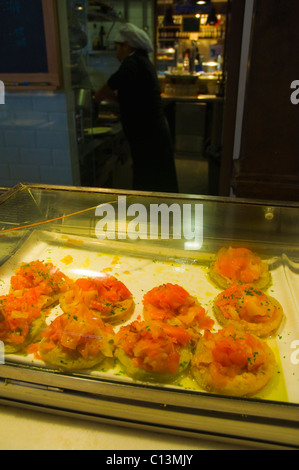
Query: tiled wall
x=34, y=139
x=136, y=15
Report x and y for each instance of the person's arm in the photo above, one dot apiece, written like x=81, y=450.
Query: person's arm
x=105, y=93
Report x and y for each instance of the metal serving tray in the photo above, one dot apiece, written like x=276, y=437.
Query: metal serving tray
x=58, y=224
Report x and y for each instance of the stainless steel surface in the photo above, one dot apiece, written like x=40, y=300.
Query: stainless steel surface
x=168, y=411
x=84, y=98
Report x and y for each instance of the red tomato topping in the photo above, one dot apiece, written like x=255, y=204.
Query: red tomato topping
x=239, y=264
x=107, y=291
x=231, y=353
x=17, y=314
x=167, y=297
x=153, y=346
x=80, y=331
x=44, y=276
x=171, y=300
x=246, y=303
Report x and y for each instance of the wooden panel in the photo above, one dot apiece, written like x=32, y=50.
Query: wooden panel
x=30, y=55
x=232, y=66
x=269, y=158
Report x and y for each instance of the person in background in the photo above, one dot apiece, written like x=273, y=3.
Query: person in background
x=136, y=87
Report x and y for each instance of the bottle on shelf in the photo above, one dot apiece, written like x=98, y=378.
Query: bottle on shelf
x=186, y=63
x=95, y=40
x=101, y=38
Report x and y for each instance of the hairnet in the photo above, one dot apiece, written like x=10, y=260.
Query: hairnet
x=136, y=37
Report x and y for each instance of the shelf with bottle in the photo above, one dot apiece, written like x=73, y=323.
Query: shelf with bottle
x=100, y=39
x=169, y=33
x=176, y=30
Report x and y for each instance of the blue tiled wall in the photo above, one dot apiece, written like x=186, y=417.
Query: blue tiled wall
x=34, y=139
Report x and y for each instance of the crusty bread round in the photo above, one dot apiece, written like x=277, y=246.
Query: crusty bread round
x=152, y=350
x=116, y=312
x=261, y=329
x=43, y=276
x=120, y=312
x=22, y=320
x=222, y=281
x=246, y=383
x=144, y=375
x=77, y=340
x=67, y=360
x=171, y=303
x=36, y=329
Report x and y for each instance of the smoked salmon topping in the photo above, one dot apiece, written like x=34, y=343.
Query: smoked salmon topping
x=17, y=315
x=246, y=303
x=45, y=277
x=169, y=301
x=239, y=264
x=153, y=346
x=228, y=353
x=80, y=331
x=101, y=293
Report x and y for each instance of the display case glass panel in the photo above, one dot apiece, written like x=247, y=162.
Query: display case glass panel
x=94, y=354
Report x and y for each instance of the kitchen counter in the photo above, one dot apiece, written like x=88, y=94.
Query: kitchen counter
x=196, y=125
x=33, y=430
x=195, y=98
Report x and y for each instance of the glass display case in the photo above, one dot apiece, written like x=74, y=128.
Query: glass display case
x=55, y=240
